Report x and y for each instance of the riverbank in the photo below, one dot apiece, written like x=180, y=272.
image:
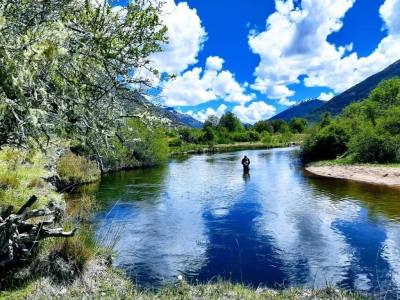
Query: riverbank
x=100, y=281
x=201, y=149
x=388, y=175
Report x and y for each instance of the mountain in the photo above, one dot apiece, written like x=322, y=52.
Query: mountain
x=182, y=118
x=300, y=110
x=136, y=105
x=356, y=93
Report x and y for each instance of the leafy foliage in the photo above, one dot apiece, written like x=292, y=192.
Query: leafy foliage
x=65, y=63
x=368, y=132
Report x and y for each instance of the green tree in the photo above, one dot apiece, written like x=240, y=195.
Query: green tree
x=230, y=122
x=212, y=121
x=280, y=126
x=262, y=126
x=65, y=66
x=298, y=125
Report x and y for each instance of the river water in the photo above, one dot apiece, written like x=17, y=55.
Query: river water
x=201, y=218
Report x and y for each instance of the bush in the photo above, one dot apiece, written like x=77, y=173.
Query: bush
x=326, y=143
x=369, y=146
x=246, y=136
x=209, y=136
x=190, y=135
x=74, y=169
x=177, y=142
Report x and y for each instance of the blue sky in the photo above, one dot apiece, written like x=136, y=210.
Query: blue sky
x=258, y=57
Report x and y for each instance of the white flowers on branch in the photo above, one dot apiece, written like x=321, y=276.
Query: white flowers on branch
x=65, y=64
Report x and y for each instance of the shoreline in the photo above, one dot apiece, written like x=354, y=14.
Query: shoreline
x=379, y=175
x=231, y=147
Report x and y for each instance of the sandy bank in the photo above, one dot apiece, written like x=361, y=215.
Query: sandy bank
x=370, y=174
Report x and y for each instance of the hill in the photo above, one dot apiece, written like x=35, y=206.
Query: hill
x=300, y=110
x=356, y=93
x=136, y=105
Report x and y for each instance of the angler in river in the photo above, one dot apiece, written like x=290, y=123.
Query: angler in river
x=246, y=164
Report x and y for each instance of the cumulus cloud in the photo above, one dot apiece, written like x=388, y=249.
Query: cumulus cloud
x=185, y=34
x=254, y=112
x=202, y=115
x=325, y=96
x=214, y=63
x=286, y=102
x=295, y=44
x=198, y=86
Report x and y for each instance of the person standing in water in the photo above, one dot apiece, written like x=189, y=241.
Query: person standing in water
x=246, y=164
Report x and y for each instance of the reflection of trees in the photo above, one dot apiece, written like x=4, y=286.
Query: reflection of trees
x=378, y=199
x=122, y=186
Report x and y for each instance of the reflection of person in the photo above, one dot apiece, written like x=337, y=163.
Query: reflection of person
x=246, y=164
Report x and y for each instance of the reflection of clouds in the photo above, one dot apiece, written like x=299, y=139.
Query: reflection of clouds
x=166, y=236
x=300, y=223
x=301, y=228
x=391, y=252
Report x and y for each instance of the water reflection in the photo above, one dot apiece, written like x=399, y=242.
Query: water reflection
x=203, y=217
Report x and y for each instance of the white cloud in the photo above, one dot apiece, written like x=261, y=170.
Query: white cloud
x=196, y=86
x=186, y=36
x=214, y=63
x=390, y=12
x=325, y=96
x=202, y=115
x=295, y=44
x=286, y=102
x=254, y=112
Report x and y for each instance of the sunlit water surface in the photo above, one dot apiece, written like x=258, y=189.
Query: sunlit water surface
x=201, y=218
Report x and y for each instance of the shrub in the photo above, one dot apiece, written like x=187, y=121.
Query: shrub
x=390, y=123
x=370, y=146
x=266, y=137
x=177, y=142
x=246, y=136
x=209, y=136
x=326, y=143
x=190, y=135
x=74, y=169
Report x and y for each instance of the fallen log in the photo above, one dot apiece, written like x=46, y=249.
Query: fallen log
x=21, y=232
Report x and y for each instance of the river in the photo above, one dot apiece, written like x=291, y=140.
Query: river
x=201, y=218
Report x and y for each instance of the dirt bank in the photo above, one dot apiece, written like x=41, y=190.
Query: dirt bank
x=389, y=176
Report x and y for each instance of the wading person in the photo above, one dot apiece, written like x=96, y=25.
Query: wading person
x=246, y=164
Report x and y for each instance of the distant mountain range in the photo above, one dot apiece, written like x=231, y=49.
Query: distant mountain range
x=138, y=106
x=300, y=110
x=184, y=119
x=336, y=105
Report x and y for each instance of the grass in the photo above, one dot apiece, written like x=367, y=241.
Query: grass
x=267, y=141
x=111, y=284
x=21, y=174
x=75, y=169
x=348, y=161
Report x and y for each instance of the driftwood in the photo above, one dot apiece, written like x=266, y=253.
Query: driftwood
x=20, y=232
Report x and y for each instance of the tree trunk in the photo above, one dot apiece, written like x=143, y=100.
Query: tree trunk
x=21, y=232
